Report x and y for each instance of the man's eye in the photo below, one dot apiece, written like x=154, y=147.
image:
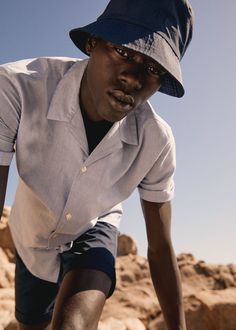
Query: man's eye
x=123, y=52
x=156, y=71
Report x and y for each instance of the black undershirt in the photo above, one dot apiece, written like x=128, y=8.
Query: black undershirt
x=95, y=130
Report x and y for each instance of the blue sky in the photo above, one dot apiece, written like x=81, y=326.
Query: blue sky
x=204, y=212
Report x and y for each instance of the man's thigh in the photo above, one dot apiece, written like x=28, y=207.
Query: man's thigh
x=88, y=268
x=88, y=271
x=95, y=249
x=81, y=299
x=34, y=298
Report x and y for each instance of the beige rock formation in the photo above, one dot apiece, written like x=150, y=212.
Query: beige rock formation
x=209, y=291
x=126, y=245
x=128, y=323
x=6, y=271
x=6, y=308
x=6, y=242
x=111, y=323
x=209, y=294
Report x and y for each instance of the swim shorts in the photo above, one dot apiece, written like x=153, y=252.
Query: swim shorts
x=95, y=249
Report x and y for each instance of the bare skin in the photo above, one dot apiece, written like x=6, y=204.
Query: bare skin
x=163, y=264
x=3, y=185
x=80, y=300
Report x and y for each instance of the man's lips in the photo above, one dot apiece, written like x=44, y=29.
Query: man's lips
x=124, y=99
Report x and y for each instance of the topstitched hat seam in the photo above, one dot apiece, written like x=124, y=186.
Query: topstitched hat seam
x=152, y=47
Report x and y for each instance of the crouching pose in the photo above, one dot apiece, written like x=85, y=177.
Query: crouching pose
x=85, y=136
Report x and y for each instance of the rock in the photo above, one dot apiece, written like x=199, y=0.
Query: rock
x=111, y=323
x=215, y=310
x=7, y=271
x=6, y=241
x=134, y=297
x=128, y=323
x=7, y=307
x=5, y=214
x=185, y=259
x=203, y=276
x=12, y=325
x=5, y=319
x=126, y=245
x=133, y=324
x=7, y=299
x=207, y=310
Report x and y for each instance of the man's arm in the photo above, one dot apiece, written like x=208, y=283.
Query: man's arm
x=3, y=185
x=163, y=264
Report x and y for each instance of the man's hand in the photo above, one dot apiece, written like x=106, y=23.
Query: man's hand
x=3, y=185
x=163, y=264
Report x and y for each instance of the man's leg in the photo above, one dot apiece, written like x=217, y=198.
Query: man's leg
x=80, y=300
x=88, y=278
x=34, y=299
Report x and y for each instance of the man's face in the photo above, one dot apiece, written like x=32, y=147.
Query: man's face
x=117, y=80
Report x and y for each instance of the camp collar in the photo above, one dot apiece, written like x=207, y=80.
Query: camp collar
x=64, y=103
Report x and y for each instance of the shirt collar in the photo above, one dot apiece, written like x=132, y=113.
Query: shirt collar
x=65, y=99
x=129, y=129
x=64, y=103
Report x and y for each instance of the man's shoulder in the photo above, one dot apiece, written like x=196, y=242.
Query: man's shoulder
x=36, y=67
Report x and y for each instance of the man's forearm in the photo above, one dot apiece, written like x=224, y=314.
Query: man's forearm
x=166, y=280
x=3, y=184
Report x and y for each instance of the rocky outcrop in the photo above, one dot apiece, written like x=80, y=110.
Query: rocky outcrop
x=209, y=294
x=6, y=242
x=209, y=291
x=126, y=245
x=128, y=323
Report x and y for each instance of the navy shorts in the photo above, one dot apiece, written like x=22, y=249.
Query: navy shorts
x=95, y=249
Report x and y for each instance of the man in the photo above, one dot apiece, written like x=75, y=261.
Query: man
x=85, y=137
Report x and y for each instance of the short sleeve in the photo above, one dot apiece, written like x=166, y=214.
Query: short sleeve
x=9, y=115
x=158, y=184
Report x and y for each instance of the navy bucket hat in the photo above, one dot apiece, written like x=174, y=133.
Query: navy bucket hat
x=160, y=29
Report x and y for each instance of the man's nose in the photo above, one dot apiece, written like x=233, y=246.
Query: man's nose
x=131, y=80
x=131, y=76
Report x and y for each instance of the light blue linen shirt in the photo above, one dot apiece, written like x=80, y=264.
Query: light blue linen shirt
x=63, y=191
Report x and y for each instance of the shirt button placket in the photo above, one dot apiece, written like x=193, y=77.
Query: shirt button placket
x=68, y=216
x=83, y=169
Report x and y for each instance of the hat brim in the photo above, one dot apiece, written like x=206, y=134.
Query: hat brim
x=139, y=39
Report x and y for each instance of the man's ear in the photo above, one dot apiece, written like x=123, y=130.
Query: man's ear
x=90, y=44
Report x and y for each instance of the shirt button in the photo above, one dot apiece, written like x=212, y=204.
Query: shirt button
x=84, y=169
x=68, y=216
